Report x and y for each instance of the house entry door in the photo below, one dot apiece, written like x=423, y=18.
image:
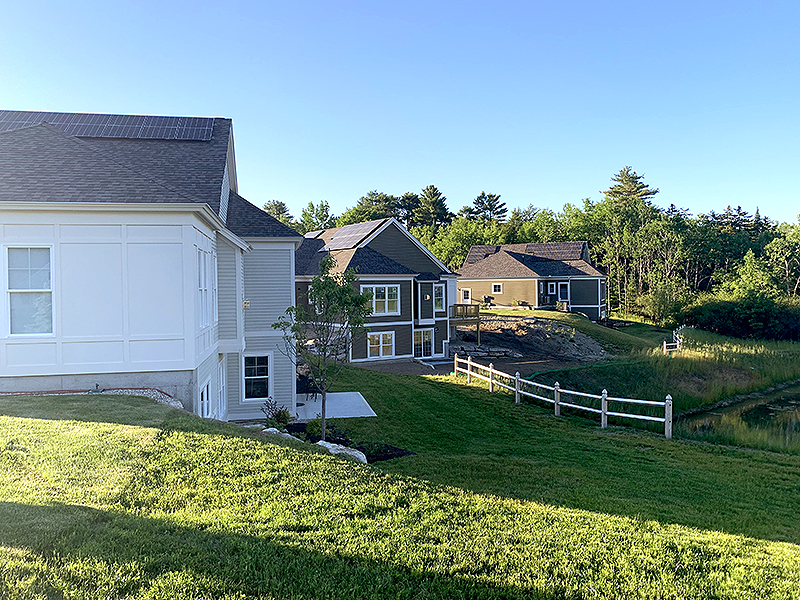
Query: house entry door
x=423, y=343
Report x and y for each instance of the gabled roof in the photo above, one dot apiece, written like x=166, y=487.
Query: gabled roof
x=364, y=261
x=537, y=251
x=348, y=236
x=42, y=163
x=529, y=260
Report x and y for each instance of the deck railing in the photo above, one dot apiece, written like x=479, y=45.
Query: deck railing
x=465, y=311
x=559, y=397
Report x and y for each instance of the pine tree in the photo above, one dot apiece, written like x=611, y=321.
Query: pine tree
x=432, y=209
x=489, y=206
x=280, y=211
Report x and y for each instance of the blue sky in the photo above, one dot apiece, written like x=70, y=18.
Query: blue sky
x=541, y=102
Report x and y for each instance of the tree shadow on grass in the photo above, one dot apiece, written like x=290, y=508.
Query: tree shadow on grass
x=68, y=549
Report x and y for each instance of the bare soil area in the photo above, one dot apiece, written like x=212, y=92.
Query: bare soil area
x=543, y=345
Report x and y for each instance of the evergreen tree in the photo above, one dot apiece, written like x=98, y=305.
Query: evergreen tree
x=374, y=205
x=280, y=211
x=406, y=205
x=489, y=206
x=432, y=209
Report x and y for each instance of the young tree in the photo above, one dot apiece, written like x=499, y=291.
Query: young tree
x=320, y=334
x=316, y=217
x=280, y=211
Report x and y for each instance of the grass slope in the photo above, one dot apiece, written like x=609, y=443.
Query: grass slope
x=114, y=497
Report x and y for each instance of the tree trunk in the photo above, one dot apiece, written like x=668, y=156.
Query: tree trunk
x=322, y=419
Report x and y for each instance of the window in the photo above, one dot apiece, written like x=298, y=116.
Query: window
x=380, y=344
x=256, y=377
x=438, y=297
x=423, y=343
x=30, y=295
x=466, y=295
x=563, y=292
x=203, y=303
x=551, y=287
x=385, y=299
x=497, y=288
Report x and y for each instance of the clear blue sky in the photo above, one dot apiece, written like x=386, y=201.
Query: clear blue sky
x=541, y=102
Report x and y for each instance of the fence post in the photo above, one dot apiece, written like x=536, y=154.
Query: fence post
x=516, y=388
x=668, y=418
x=455, y=364
x=469, y=369
x=604, y=409
x=557, y=397
x=491, y=377
x=664, y=346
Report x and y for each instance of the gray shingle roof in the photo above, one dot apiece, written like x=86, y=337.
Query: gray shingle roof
x=43, y=164
x=248, y=221
x=507, y=263
x=540, y=251
x=365, y=261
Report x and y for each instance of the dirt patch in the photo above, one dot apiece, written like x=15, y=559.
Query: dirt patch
x=537, y=339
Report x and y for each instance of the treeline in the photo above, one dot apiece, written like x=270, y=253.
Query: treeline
x=663, y=264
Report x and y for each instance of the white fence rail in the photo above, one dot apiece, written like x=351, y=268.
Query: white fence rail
x=559, y=397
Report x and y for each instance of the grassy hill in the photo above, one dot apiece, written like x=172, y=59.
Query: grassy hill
x=104, y=497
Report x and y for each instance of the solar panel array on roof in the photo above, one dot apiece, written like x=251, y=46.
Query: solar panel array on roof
x=350, y=236
x=114, y=126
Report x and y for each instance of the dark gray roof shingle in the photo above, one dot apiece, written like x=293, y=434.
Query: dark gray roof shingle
x=248, y=221
x=510, y=263
x=364, y=261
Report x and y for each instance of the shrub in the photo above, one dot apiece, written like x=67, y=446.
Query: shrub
x=758, y=317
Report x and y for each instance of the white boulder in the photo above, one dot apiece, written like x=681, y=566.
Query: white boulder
x=338, y=449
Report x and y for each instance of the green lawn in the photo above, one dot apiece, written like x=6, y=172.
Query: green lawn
x=120, y=498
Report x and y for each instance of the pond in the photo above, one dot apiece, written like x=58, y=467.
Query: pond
x=770, y=423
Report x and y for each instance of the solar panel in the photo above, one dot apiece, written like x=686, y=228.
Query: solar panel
x=114, y=126
x=350, y=236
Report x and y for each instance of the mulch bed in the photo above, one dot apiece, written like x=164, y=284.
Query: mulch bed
x=374, y=451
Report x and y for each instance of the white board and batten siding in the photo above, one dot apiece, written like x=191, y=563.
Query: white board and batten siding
x=123, y=292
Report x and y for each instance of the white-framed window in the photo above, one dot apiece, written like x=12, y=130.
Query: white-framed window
x=423, y=343
x=257, y=377
x=563, y=291
x=497, y=288
x=203, y=301
x=438, y=296
x=385, y=298
x=551, y=287
x=30, y=291
x=204, y=408
x=466, y=295
x=380, y=344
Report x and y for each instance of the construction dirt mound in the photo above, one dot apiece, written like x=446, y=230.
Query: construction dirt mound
x=533, y=337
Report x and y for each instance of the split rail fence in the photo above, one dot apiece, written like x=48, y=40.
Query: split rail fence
x=560, y=397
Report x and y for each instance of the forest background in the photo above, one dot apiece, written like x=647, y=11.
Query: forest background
x=729, y=272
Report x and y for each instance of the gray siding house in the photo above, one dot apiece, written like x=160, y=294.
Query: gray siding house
x=129, y=259
x=412, y=291
x=542, y=275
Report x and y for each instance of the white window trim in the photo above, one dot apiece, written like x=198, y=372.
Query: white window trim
x=565, y=285
x=270, y=377
x=501, y=288
x=9, y=291
x=382, y=356
x=440, y=286
x=387, y=286
x=551, y=288
x=461, y=295
x=433, y=342
x=205, y=409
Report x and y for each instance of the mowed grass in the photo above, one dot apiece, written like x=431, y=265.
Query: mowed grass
x=120, y=498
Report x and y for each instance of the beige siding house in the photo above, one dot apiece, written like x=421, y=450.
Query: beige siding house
x=543, y=275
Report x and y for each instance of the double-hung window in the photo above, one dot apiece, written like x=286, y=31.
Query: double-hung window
x=30, y=292
x=385, y=299
x=256, y=377
x=438, y=297
x=380, y=344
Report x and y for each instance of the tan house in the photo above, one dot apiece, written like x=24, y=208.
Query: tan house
x=543, y=275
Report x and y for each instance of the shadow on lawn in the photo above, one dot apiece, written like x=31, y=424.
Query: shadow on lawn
x=76, y=547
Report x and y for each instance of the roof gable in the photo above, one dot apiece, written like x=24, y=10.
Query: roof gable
x=248, y=221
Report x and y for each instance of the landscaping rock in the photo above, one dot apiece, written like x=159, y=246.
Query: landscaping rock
x=283, y=434
x=337, y=449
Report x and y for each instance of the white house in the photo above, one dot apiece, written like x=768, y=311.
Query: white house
x=130, y=260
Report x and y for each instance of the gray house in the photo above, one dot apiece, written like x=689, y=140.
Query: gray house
x=412, y=291
x=541, y=275
x=129, y=259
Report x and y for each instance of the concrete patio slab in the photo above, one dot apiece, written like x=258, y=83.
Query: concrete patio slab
x=340, y=405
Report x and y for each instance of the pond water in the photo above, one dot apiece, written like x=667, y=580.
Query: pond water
x=769, y=423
